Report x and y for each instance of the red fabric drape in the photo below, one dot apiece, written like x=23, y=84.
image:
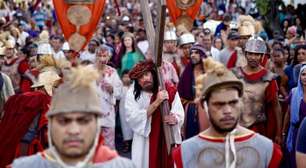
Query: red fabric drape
x=86, y=30
x=20, y=111
x=232, y=61
x=158, y=154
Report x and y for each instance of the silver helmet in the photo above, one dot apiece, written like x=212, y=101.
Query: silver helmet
x=170, y=36
x=256, y=45
x=186, y=38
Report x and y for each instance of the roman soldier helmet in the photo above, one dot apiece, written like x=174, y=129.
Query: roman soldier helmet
x=170, y=36
x=186, y=38
x=256, y=45
x=246, y=25
x=78, y=93
x=216, y=76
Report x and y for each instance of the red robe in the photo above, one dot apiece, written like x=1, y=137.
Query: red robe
x=25, y=83
x=268, y=128
x=232, y=61
x=158, y=154
x=21, y=109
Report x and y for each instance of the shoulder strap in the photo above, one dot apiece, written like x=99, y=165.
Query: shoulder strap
x=237, y=72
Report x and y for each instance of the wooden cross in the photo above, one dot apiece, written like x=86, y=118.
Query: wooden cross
x=156, y=40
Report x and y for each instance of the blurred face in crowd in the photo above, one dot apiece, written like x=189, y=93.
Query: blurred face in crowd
x=286, y=23
x=278, y=57
x=146, y=81
x=33, y=62
x=199, y=37
x=73, y=134
x=117, y=40
x=92, y=46
x=233, y=43
x=195, y=57
x=242, y=41
x=186, y=48
x=303, y=77
x=9, y=52
x=253, y=59
x=103, y=56
x=33, y=51
x=301, y=55
x=218, y=43
x=109, y=40
x=126, y=79
x=128, y=42
x=286, y=55
x=224, y=109
x=207, y=42
x=68, y=54
x=170, y=46
x=56, y=44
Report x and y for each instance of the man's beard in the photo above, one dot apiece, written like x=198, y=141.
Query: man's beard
x=222, y=130
x=148, y=86
x=195, y=62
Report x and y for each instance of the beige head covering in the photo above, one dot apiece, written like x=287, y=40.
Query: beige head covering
x=246, y=25
x=47, y=80
x=78, y=93
x=217, y=76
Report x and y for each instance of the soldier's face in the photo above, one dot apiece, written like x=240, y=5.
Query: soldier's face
x=253, y=59
x=224, y=109
x=73, y=134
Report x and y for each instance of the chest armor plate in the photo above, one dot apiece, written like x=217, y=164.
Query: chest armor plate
x=253, y=110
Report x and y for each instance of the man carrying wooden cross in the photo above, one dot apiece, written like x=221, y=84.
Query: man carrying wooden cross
x=149, y=148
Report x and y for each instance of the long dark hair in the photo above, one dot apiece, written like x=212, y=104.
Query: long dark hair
x=299, y=47
x=138, y=88
x=123, y=49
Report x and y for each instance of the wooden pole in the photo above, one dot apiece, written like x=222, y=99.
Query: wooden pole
x=158, y=52
x=156, y=40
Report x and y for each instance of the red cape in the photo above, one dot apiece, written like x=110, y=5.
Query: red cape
x=20, y=110
x=158, y=154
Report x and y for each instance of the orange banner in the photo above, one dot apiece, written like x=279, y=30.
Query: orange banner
x=183, y=8
x=78, y=21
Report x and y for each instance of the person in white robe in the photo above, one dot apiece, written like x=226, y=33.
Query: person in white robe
x=110, y=85
x=139, y=114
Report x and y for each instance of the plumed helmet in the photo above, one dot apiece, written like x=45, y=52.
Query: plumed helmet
x=47, y=80
x=256, y=45
x=217, y=76
x=79, y=92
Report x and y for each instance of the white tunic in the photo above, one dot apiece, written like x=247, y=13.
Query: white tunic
x=108, y=100
x=136, y=115
x=126, y=129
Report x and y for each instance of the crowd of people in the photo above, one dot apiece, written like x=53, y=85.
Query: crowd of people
x=235, y=89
